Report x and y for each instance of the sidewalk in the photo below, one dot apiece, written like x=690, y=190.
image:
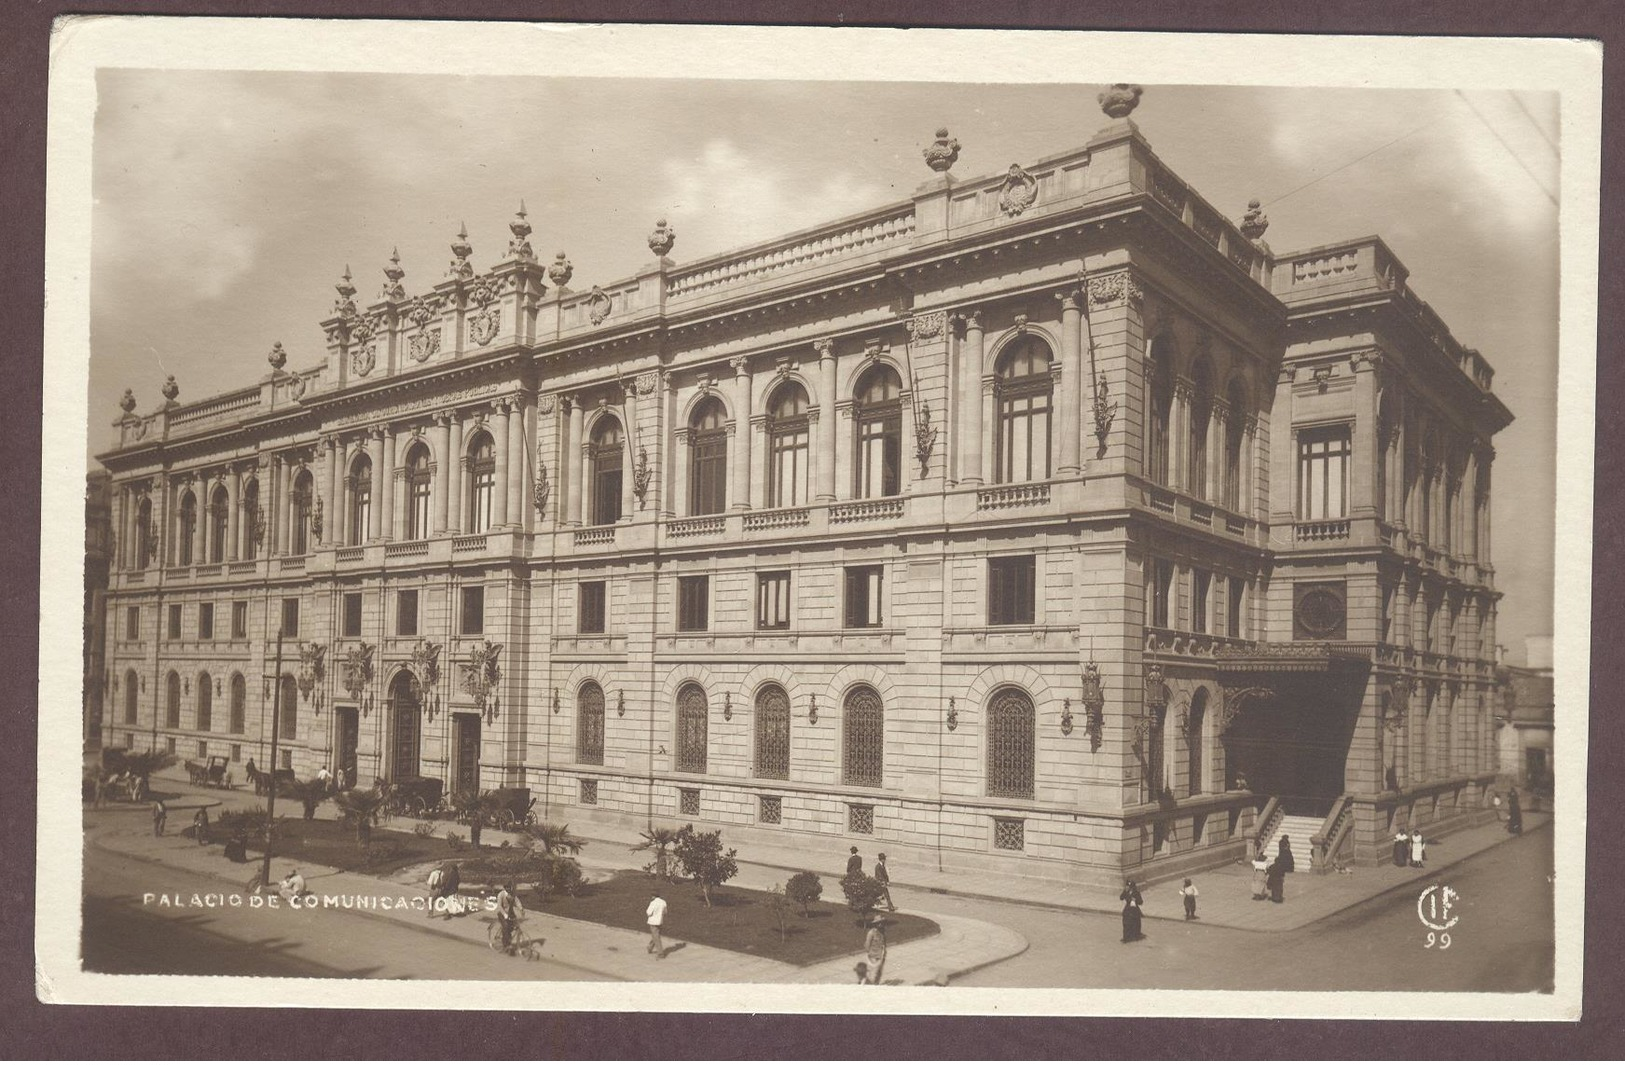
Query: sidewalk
x=962, y=946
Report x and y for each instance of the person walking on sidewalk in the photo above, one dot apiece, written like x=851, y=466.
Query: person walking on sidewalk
x=200, y=826
x=1261, y=868
x=885, y=881
x=1276, y=879
x=1514, y=813
x=509, y=911
x=854, y=865
x=874, y=947
x=1402, y=847
x=656, y=916
x=1189, y=893
x=1418, y=848
x=159, y=813
x=1283, y=856
x=1132, y=901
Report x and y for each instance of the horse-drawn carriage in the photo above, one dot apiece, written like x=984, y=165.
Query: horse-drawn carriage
x=414, y=796
x=214, y=773
x=261, y=780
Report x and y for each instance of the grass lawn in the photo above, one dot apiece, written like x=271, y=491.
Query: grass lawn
x=739, y=919
x=333, y=844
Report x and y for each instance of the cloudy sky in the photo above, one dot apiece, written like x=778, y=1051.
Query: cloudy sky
x=226, y=204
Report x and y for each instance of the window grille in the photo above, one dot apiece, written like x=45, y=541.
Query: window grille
x=770, y=810
x=863, y=738
x=692, y=725
x=860, y=819
x=589, y=793
x=688, y=802
x=773, y=733
x=1009, y=834
x=1010, y=730
x=590, y=724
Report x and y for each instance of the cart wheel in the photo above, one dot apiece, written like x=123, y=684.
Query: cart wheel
x=504, y=822
x=415, y=806
x=493, y=935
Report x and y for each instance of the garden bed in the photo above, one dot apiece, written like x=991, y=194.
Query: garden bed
x=739, y=919
x=333, y=843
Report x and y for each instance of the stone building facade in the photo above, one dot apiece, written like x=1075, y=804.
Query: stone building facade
x=1046, y=521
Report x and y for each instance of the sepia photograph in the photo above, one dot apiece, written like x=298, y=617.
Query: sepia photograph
x=917, y=521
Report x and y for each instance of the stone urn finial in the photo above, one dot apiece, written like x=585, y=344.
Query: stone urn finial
x=461, y=249
x=394, y=291
x=519, y=246
x=1120, y=100
x=278, y=358
x=561, y=271
x=942, y=153
x=126, y=402
x=170, y=389
x=1255, y=221
x=345, y=287
x=662, y=239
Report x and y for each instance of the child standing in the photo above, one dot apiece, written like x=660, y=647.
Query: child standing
x=1189, y=892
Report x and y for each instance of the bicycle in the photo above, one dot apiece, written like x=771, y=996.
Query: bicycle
x=518, y=943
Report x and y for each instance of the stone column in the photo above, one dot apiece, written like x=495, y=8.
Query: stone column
x=516, y=463
x=375, y=451
x=970, y=461
x=234, y=525
x=825, y=492
x=740, y=483
x=1218, y=415
x=499, y=492
x=530, y=438
x=683, y=455
x=200, y=527
x=629, y=410
x=454, y=460
x=1069, y=396
x=569, y=466
x=444, y=461
x=584, y=478
x=384, y=474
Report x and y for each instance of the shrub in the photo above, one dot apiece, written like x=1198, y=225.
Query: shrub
x=803, y=890
x=862, y=893
x=454, y=839
x=704, y=860
x=779, y=904
x=560, y=875
x=423, y=830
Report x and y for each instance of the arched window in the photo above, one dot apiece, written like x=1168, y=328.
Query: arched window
x=219, y=516
x=188, y=530
x=205, y=703
x=863, y=738
x=692, y=725
x=1234, y=438
x=879, y=420
x=172, y=700
x=1201, y=420
x=239, y=704
x=787, y=447
x=773, y=733
x=250, y=524
x=708, y=459
x=1010, y=732
x=1195, y=743
x=1022, y=389
x=606, y=459
x=405, y=725
x=143, y=534
x=302, y=500
x=590, y=724
x=360, y=488
x=482, y=482
x=289, y=712
x=132, y=685
x=1155, y=754
x=1159, y=373
x=417, y=493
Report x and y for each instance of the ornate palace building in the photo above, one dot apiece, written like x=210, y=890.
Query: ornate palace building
x=1046, y=521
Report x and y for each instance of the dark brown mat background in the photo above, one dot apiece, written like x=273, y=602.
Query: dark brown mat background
x=32, y=1030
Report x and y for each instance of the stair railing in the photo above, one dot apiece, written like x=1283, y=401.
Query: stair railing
x=1324, y=845
x=1267, y=819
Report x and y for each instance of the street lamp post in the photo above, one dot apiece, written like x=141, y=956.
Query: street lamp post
x=276, y=729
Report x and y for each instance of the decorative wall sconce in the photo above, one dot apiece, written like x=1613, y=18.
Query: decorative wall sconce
x=812, y=710
x=953, y=714
x=1094, y=704
x=1156, y=700
x=620, y=703
x=217, y=688
x=265, y=687
x=186, y=685
x=1066, y=717
x=727, y=706
x=640, y=476
x=555, y=700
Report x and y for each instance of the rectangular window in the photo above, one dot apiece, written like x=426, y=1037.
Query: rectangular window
x=1011, y=586
x=1323, y=465
x=352, y=614
x=290, y=617
x=406, y=612
x=1162, y=591
x=863, y=586
x=688, y=802
x=1009, y=834
x=589, y=793
x=287, y=758
x=132, y=623
x=693, y=604
x=1201, y=585
x=770, y=810
x=860, y=819
x=1387, y=614
x=203, y=748
x=205, y=621
x=174, y=621
x=473, y=611
x=1234, y=618
x=239, y=621
x=169, y=745
x=773, y=600
x=236, y=752
x=590, y=606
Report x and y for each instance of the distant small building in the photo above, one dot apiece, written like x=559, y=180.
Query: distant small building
x=1524, y=737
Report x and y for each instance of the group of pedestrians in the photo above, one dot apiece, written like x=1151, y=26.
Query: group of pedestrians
x=872, y=967
x=1269, y=875
x=1410, y=849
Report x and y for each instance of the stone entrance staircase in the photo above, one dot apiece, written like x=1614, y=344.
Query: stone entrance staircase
x=1298, y=829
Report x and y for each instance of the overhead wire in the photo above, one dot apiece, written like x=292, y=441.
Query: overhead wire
x=1508, y=147
x=1538, y=128
x=1351, y=162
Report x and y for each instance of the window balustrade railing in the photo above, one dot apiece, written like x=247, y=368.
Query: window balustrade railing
x=866, y=510
x=211, y=569
x=596, y=534
x=1001, y=496
x=1233, y=524
x=350, y=554
x=476, y=542
x=292, y=564
x=706, y=525
x=782, y=518
x=1202, y=514
x=1161, y=500
x=247, y=566
x=406, y=549
x=1321, y=531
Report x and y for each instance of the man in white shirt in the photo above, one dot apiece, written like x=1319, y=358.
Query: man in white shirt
x=656, y=914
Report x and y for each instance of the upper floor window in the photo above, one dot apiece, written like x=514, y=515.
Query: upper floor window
x=172, y=700
x=251, y=519
x=590, y=607
x=290, y=617
x=863, y=738
x=205, y=703
x=1159, y=411
x=1201, y=591
x=863, y=587
x=607, y=456
x=1023, y=387
x=1323, y=464
x=708, y=459
x=693, y=603
x=219, y=517
x=132, y=623
x=143, y=534
x=406, y=612
x=188, y=530
x=360, y=488
x=773, y=600
x=239, y=703
x=302, y=499
x=1162, y=593
x=1201, y=420
x=879, y=418
x=205, y=621
x=691, y=728
x=1235, y=604
x=1011, y=590
x=482, y=482
x=174, y=621
x=473, y=611
x=788, y=451
x=352, y=614
x=239, y=621
x=418, y=485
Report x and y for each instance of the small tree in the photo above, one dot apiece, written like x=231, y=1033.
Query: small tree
x=778, y=904
x=804, y=889
x=704, y=860
x=310, y=794
x=143, y=764
x=660, y=840
x=361, y=809
x=862, y=894
x=481, y=809
x=560, y=871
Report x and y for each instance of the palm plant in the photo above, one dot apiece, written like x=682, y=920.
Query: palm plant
x=309, y=794
x=661, y=841
x=481, y=809
x=363, y=809
x=557, y=845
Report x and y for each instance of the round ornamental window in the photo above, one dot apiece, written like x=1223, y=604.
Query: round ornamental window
x=1320, y=612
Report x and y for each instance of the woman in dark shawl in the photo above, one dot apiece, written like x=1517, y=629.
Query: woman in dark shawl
x=1276, y=879
x=1283, y=856
x=1131, y=913
x=1514, y=813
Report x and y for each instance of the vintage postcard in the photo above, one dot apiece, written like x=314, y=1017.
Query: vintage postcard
x=817, y=520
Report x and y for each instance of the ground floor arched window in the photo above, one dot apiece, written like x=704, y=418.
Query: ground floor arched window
x=1010, y=736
